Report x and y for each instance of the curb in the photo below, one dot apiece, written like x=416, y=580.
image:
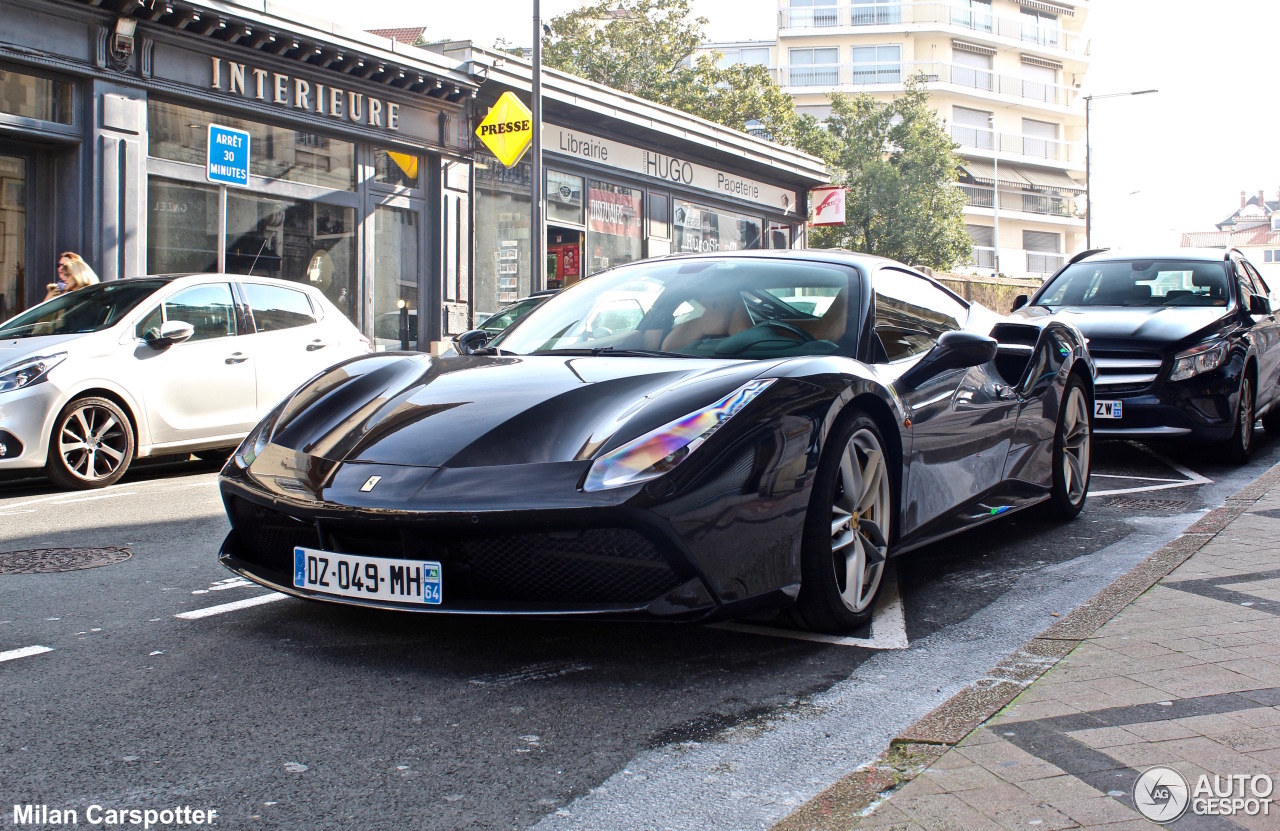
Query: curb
x=921, y=744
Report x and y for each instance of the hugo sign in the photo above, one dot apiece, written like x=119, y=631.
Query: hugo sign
x=828, y=206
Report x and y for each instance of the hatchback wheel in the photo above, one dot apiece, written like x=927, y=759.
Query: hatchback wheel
x=91, y=446
x=847, y=530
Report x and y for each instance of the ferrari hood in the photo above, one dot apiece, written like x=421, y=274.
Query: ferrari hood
x=479, y=411
x=1156, y=324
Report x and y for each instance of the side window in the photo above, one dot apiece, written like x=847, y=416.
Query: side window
x=152, y=320
x=209, y=310
x=912, y=313
x=1247, y=289
x=1260, y=283
x=276, y=307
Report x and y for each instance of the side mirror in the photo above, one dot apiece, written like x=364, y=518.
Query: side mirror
x=1019, y=301
x=954, y=350
x=171, y=332
x=1259, y=305
x=468, y=343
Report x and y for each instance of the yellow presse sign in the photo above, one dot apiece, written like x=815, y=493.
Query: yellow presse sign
x=507, y=129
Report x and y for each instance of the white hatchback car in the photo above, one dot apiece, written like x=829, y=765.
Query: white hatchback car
x=155, y=365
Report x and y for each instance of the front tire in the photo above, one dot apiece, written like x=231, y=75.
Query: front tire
x=91, y=446
x=1072, y=452
x=847, y=529
x=1240, y=446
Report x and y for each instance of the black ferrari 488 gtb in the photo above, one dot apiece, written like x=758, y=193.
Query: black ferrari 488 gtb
x=691, y=438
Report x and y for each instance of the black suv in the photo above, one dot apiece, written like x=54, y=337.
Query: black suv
x=1186, y=343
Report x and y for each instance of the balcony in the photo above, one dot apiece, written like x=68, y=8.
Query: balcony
x=798, y=79
x=1015, y=261
x=1043, y=204
x=932, y=13
x=1012, y=144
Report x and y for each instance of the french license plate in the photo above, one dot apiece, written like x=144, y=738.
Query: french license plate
x=1108, y=409
x=367, y=578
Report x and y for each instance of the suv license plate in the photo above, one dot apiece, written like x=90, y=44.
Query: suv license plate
x=1108, y=409
x=367, y=578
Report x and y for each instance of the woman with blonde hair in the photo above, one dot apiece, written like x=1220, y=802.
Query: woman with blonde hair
x=73, y=273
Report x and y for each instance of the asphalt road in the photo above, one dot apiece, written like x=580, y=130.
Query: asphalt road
x=298, y=715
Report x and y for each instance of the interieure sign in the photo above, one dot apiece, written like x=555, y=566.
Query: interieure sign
x=301, y=94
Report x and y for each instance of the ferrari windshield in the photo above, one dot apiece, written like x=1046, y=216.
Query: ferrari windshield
x=735, y=307
x=1139, y=283
x=86, y=310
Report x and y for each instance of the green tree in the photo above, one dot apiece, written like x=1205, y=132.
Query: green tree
x=647, y=48
x=899, y=167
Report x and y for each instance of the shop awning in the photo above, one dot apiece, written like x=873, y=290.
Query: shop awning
x=985, y=172
x=1051, y=179
x=1051, y=8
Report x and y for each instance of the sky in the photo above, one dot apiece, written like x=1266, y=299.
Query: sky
x=1162, y=164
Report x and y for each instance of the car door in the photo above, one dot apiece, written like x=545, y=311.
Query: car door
x=204, y=387
x=289, y=344
x=962, y=420
x=1266, y=339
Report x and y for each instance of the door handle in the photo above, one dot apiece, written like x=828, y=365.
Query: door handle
x=237, y=358
x=316, y=344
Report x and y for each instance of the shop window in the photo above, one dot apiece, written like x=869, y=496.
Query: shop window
x=698, y=228
x=40, y=98
x=614, y=224
x=779, y=235
x=395, y=167
x=13, y=237
x=502, y=206
x=395, y=278
x=293, y=239
x=182, y=227
x=275, y=307
x=660, y=215
x=181, y=134
x=564, y=198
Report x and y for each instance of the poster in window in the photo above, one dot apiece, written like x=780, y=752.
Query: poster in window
x=330, y=221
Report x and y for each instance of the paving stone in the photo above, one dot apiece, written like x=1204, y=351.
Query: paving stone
x=1098, y=810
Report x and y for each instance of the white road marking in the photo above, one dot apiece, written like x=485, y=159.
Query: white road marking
x=1192, y=479
x=888, y=625
x=110, y=490
x=233, y=583
x=15, y=513
x=24, y=652
x=231, y=607
x=96, y=497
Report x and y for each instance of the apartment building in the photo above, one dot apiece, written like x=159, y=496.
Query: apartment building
x=1005, y=76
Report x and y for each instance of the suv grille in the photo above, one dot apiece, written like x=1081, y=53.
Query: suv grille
x=1125, y=371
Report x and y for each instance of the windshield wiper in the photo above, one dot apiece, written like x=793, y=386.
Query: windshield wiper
x=613, y=351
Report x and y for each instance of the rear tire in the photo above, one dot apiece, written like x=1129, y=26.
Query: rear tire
x=1240, y=446
x=846, y=530
x=1072, y=453
x=91, y=445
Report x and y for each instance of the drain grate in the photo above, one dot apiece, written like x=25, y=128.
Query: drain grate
x=54, y=560
x=1137, y=504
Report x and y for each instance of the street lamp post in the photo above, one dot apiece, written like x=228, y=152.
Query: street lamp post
x=995, y=196
x=1088, y=160
x=537, y=241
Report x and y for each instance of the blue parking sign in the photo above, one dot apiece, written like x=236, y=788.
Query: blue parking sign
x=228, y=156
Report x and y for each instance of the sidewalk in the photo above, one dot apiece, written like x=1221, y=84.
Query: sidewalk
x=1177, y=664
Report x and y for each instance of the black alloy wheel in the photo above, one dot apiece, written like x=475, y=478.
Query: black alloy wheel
x=91, y=445
x=1072, y=452
x=847, y=529
x=1240, y=446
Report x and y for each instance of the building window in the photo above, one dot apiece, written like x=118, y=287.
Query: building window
x=972, y=14
x=813, y=13
x=972, y=70
x=503, y=200
x=182, y=227
x=181, y=134
x=1040, y=83
x=972, y=128
x=699, y=228
x=877, y=65
x=396, y=168
x=614, y=225
x=1040, y=27
x=748, y=56
x=42, y=99
x=814, y=67
x=1039, y=139
x=395, y=276
x=564, y=198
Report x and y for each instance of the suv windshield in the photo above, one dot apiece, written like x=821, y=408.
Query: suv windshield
x=1139, y=283
x=85, y=310
x=726, y=308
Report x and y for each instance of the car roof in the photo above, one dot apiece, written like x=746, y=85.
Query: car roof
x=1212, y=255
x=837, y=256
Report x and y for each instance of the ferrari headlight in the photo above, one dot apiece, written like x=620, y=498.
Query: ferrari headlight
x=28, y=371
x=256, y=441
x=660, y=450
x=1201, y=359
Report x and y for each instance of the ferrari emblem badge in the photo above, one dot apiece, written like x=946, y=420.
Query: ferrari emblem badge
x=370, y=484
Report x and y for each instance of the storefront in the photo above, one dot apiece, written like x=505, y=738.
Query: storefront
x=359, y=174
x=624, y=179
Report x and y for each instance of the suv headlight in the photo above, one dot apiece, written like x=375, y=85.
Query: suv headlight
x=28, y=371
x=1203, y=358
x=660, y=450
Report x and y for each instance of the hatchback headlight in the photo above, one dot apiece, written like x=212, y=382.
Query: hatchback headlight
x=660, y=450
x=28, y=371
x=1200, y=359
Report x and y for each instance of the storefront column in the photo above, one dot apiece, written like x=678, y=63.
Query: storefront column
x=118, y=227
